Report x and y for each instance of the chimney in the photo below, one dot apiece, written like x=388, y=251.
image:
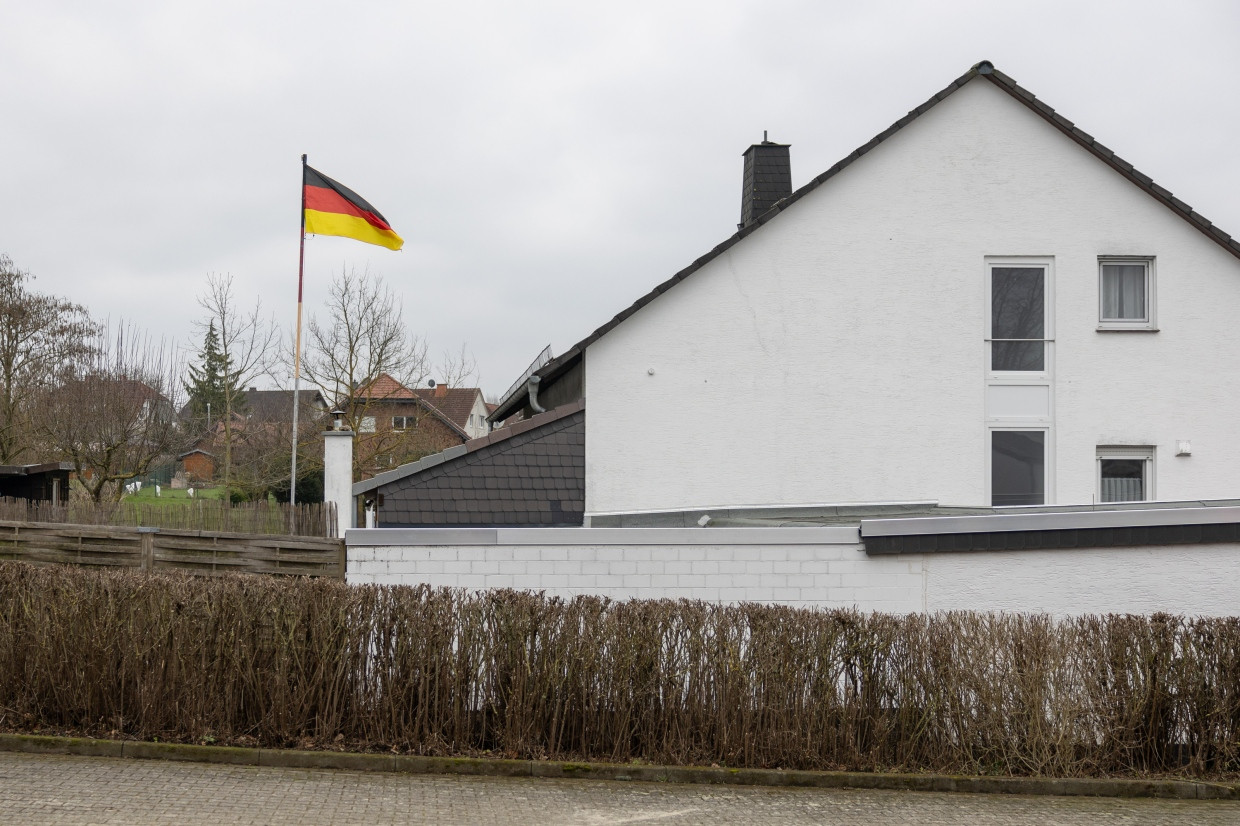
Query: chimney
x=441, y=390
x=767, y=179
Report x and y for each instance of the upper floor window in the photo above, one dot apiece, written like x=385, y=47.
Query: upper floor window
x=1125, y=293
x=1018, y=317
x=402, y=422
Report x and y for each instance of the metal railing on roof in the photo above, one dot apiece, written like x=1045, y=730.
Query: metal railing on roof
x=541, y=359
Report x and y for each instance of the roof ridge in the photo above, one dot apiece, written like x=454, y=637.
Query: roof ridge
x=984, y=69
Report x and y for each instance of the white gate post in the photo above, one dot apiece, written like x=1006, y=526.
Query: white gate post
x=338, y=476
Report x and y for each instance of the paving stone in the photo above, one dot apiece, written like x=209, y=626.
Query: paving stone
x=56, y=789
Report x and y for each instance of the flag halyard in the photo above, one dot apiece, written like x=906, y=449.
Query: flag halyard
x=333, y=209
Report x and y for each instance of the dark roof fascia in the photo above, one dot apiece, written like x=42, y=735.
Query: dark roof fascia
x=494, y=437
x=560, y=365
x=48, y=466
x=1052, y=530
x=29, y=470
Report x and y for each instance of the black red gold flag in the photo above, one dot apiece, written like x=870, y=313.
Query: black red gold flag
x=334, y=209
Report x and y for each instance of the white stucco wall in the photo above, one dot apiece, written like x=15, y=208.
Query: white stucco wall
x=338, y=477
x=476, y=425
x=837, y=354
x=808, y=567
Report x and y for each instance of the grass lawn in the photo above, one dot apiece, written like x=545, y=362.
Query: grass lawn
x=147, y=495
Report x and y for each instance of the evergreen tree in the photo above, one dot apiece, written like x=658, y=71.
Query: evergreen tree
x=208, y=383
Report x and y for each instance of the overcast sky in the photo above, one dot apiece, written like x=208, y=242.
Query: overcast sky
x=547, y=163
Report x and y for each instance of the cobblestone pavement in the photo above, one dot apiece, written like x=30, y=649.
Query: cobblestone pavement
x=55, y=789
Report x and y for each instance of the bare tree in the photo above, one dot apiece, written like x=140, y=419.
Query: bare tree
x=362, y=337
x=113, y=414
x=41, y=336
x=457, y=369
x=246, y=343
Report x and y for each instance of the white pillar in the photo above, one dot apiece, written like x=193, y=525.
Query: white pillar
x=338, y=477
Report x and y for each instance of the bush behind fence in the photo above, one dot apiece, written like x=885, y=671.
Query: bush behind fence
x=313, y=519
x=429, y=671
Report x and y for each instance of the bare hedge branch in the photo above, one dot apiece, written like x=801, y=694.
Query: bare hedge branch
x=426, y=671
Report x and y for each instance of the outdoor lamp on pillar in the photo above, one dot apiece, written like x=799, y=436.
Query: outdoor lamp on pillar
x=338, y=416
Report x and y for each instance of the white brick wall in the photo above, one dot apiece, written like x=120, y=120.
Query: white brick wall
x=820, y=567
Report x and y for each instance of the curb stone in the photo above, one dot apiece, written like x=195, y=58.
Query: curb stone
x=413, y=764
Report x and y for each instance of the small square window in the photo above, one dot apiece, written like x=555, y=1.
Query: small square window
x=402, y=422
x=1126, y=294
x=367, y=425
x=1125, y=474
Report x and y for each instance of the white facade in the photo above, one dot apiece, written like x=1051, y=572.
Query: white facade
x=804, y=567
x=862, y=312
x=476, y=425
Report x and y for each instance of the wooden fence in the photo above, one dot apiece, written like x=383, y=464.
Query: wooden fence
x=151, y=548
x=315, y=519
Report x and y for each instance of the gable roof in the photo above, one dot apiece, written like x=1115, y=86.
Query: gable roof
x=985, y=70
x=275, y=405
x=457, y=403
x=384, y=388
x=507, y=437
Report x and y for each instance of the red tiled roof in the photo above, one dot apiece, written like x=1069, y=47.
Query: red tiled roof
x=454, y=402
x=384, y=387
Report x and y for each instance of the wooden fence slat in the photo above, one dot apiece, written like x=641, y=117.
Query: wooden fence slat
x=197, y=552
x=311, y=520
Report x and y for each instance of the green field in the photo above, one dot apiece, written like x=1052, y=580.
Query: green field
x=147, y=495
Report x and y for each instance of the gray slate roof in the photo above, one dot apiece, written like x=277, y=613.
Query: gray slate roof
x=532, y=473
x=985, y=70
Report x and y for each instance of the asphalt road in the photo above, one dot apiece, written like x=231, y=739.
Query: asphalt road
x=57, y=789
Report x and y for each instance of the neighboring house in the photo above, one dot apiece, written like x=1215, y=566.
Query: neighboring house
x=463, y=405
x=277, y=405
x=530, y=474
x=981, y=306
x=395, y=425
x=261, y=426
x=125, y=393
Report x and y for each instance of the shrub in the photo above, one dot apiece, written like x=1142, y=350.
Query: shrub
x=420, y=670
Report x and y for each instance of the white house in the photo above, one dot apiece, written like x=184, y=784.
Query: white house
x=981, y=306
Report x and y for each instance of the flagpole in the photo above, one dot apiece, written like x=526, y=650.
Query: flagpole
x=301, y=268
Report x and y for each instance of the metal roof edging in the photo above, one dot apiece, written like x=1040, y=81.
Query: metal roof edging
x=1073, y=520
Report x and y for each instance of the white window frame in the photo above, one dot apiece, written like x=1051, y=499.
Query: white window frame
x=1142, y=453
x=1047, y=264
x=1048, y=462
x=366, y=425
x=406, y=423
x=1149, y=324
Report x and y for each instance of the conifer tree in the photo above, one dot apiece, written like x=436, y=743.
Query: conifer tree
x=208, y=383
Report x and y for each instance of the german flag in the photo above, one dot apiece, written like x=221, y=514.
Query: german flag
x=334, y=209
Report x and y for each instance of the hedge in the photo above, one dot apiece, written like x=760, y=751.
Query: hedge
x=431, y=671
